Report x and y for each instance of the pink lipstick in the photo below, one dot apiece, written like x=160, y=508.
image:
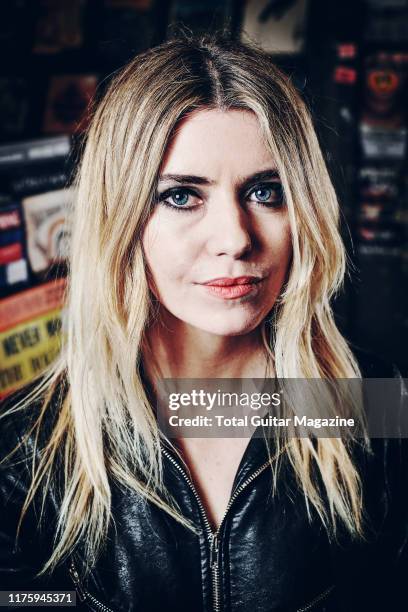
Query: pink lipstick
x=231, y=288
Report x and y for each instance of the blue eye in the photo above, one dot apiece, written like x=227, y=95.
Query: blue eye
x=268, y=194
x=179, y=197
x=263, y=194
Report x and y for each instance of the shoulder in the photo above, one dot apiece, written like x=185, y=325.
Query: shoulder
x=17, y=416
x=25, y=429
x=28, y=516
x=20, y=412
x=387, y=460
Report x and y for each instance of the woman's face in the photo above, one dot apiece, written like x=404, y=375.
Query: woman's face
x=218, y=242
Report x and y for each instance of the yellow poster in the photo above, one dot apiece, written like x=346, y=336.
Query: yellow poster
x=30, y=333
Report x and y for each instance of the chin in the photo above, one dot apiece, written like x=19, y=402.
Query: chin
x=226, y=326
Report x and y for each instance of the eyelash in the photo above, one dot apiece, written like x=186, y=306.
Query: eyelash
x=161, y=198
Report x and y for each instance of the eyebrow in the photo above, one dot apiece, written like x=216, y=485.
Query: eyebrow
x=258, y=177
x=191, y=179
x=185, y=178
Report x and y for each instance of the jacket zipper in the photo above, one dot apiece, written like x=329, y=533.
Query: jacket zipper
x=316, y=600
x=83, y=594
x=213, y=536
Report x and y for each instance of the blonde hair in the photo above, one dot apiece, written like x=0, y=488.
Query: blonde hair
x=105, y=428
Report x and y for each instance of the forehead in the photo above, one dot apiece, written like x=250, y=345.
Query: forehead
x=210, y=142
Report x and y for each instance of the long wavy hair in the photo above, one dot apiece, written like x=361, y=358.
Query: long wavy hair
x=105, y=427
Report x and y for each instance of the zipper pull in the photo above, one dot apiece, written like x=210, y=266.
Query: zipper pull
x=214, y=550
x=76, y=580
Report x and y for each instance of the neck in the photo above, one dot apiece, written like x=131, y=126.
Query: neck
x=175, y=349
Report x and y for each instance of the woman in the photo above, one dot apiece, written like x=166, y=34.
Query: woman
x=205, y=245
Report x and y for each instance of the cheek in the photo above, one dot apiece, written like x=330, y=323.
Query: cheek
x=278, y=241
x=168, y=256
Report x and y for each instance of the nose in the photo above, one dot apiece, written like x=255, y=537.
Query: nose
x=229, y=230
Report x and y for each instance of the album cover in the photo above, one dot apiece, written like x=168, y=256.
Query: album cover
x=13, y=262
x=383, y=130
x=47, y=228
x=59, y=26
x=278, y=27
x=31, y=328
x=67, y=103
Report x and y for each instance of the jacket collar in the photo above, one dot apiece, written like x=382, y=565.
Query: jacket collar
x=255, y=456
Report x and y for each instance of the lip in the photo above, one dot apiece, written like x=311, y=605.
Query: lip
x=228, y=282
x=233, y=288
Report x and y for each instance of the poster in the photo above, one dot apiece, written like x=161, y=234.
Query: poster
x=31, y=324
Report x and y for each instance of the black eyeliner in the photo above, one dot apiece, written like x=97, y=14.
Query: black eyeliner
x=268, y=185
x=161, y=198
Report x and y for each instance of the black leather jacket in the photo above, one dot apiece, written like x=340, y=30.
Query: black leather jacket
x=267, y=555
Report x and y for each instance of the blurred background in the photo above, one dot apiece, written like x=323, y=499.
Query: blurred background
x=349, y=59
